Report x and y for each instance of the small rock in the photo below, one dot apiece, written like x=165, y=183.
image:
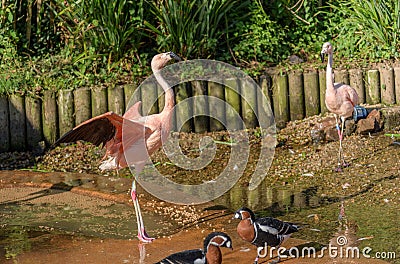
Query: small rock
x=366, y=126
x=371, y=124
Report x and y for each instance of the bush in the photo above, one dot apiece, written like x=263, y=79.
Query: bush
x=370, y=29
x=260, y=39
x=194, y=29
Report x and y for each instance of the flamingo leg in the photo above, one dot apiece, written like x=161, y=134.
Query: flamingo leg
x=142, y=235
x=344, y=163
x=339, y=169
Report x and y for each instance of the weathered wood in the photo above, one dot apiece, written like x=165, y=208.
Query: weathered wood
x=217, y=111
x=200, y=108
x=357, y=82
x=161, y=97
x=115, y=98
x=50, y=117
x=373, y=94
x=82, y=103
x=322, y=90
x=148, y=93
x=387, y=86
x=397, y=84
x=280, y=100
x=99, y=100
x=34, y=132
x=233, y=100
x=4, y=124
x=311, y=93
x=264, y=102
x=248, y=90
x=17, y=122
x=184, y=110
x=131, y=95
x=296, y=96
x=66, y=119
x=341, y=76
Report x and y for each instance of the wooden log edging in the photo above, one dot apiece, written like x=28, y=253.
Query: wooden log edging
x=292, y=96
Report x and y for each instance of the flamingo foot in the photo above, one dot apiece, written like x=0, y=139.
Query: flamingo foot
x=142, y=236
x=338, y=169
x=345, y=164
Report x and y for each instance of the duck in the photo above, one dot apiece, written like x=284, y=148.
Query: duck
x=210, y=254
x=263, y=232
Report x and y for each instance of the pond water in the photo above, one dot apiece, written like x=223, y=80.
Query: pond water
x=301, y=188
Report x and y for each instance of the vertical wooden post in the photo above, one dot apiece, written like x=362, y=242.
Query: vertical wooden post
x=387, y=86
x=200, y=108
x=248, y=91
x=82, y=103
x=341, y=76
x=311, y=93
x=397, y=84
x=115, y=98
x=34, y=133
x=148, y=93
x=50, y=117
x=357, y=82
x=264, y=102
x=99, y=100
x=66, y=120
x=161, y=97
x=322, y=90
x=17, y=122
x=131, y=95
x=373, y=94
x=280, y=100
x=233, y=99
x=183, y=110
x=296, y=95
x=216, y=111
x=4, y=124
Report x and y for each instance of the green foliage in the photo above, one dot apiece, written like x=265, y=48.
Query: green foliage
x=369, y=29
x=194, y=28
x=66, y=44
x=115, y=26
x=259, y=39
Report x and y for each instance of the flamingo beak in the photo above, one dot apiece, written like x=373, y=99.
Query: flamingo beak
x=322, y=56
x=174, y=56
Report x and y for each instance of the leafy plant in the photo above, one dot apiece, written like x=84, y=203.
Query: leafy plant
x=259, y=39
x=369, y=28
x=116, y=26
x=194, y=28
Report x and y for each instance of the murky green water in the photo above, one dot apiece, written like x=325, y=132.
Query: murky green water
x=364, y=224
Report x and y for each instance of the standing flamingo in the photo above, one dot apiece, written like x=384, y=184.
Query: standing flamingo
x=340, y=99
x=142, y=135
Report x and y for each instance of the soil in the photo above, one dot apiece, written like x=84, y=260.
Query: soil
x=372, y=181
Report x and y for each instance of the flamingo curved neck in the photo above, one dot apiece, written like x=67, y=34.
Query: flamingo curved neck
x=329, y=73
x=169, y=93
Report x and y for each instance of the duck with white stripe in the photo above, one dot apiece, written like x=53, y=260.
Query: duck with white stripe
x=262, y=232
x=211, y=254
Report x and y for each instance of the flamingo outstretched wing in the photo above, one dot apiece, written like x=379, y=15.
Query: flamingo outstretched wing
x=103, y=128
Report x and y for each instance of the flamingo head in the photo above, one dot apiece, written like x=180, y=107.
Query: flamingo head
x=326, y=49
x=160, y=60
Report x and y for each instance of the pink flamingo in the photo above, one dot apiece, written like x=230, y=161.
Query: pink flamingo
x=142, y=135
x=340, y=99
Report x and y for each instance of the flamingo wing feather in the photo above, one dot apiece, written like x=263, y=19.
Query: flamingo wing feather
x=97, y=130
